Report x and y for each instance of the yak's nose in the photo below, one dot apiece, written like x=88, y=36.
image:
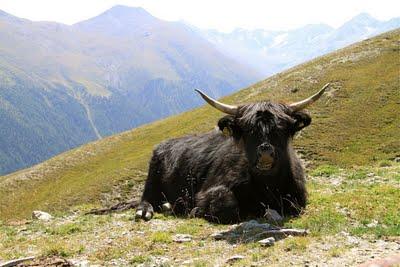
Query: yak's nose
x=266, y=157
x=267, y=149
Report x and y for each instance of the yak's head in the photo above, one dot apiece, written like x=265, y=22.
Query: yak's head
x=264, y=129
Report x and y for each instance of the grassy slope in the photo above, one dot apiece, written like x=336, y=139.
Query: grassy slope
x=352, y=217
x=355, y=125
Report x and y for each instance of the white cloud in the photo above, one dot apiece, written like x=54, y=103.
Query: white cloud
x=220, y=14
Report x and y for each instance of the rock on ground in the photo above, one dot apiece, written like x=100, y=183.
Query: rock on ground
x=41, y=215
x=180, y=238
x=272, y=216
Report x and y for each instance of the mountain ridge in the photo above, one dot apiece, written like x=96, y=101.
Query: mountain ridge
x=272, y=51
x=93, y=83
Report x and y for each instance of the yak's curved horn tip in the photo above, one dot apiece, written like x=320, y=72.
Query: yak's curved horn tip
x=229, y=109
x=326, y=86
x=308, y=101
x=200, y=92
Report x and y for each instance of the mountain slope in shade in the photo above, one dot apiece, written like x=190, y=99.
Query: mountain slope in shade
x=355, y=123
x=272, y=51
x=62, y=86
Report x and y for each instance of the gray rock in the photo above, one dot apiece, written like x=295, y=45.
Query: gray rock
x=253, y=225
x=273, y=216
x=15, y=262
x=218, y=236
x=234, y=258
x=80, y=263
x=180, y=238
x=253, y=231
x=267, y=242
x=41, y=215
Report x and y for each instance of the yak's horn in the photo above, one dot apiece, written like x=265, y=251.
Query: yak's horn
x=228, y=109
x=308, y=101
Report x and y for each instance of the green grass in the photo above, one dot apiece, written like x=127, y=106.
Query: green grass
x=66, y=229
x=195, y=227
x=161, y=237
x=368, y=211
x=325, y=170
x=138, y=259
x=356, y=124
x=297, y=244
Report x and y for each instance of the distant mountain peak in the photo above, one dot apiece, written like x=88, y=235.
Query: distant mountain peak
x=119, y=20
x=126, y=11
x=7, y=16
x=4, y=14
x=364, y=15
x=363, y=18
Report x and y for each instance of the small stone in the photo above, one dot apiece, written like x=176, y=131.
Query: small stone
x=352, y=240
x=80, y=263
x=187, y=262
x=273, y=216
x=267, y=242
x=217, y=236
x=41, y=215
x=235, y=258
x=160, y=261
x=180, y=238
x=374, y=223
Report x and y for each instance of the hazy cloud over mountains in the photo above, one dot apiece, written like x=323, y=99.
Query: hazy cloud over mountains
x=273, y=51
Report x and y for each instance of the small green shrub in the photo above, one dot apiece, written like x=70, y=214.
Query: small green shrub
x=385, y=163
x=325, y=170
x=161, y=237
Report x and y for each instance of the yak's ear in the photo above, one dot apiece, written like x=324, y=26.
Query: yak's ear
x=301, y=120
x=228, y=127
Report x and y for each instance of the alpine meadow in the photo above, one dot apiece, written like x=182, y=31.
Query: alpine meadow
x=351, y=151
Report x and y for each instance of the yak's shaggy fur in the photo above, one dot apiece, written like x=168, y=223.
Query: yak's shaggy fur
x=216, y=176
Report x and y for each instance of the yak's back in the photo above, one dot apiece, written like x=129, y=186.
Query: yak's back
x=195, y=155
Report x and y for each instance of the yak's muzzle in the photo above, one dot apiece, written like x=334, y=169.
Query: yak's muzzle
x=265, y=157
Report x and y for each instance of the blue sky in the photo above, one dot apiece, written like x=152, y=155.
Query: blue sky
x=218, y=14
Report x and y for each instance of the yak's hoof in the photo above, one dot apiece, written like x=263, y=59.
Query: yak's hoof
x=166, y=207
x=145, y=215
x=196, y=212
x=144, y=211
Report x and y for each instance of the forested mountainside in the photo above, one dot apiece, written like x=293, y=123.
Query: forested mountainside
x=62, y=86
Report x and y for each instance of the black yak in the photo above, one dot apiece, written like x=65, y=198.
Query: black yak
x=240, y=170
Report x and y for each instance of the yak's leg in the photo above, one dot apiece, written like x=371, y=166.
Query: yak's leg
x=294, y=203
x=217, y=204
x=152, y=195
